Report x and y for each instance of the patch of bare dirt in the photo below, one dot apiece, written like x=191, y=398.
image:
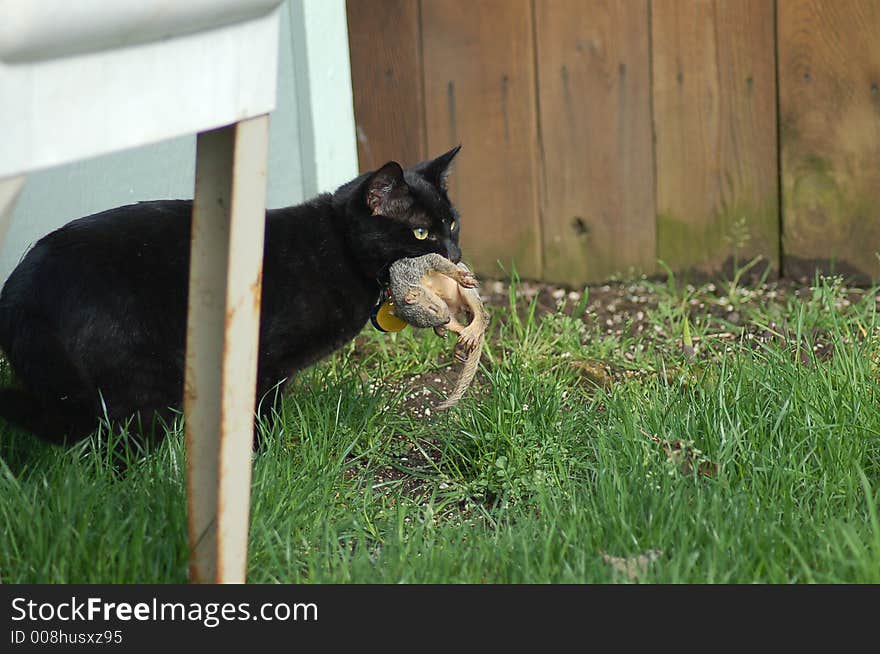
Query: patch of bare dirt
x=427, y=390
x=405, y=472
x=628, y=309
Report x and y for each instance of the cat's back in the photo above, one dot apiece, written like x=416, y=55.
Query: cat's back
x=136, y=249
x=113, y=233
x=133, y=235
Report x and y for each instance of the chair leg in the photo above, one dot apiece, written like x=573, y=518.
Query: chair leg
x=10, y=188
x=221, y=349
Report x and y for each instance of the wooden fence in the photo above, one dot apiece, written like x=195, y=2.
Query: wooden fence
x=602, y=135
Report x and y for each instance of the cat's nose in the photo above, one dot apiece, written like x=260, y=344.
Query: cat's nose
x=453, y=252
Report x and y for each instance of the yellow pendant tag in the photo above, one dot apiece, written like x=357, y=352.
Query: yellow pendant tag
x=384, y=320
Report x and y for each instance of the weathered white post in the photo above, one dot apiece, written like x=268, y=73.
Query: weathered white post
x=221, y=348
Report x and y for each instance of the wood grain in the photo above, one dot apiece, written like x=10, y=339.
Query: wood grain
x=594, y=84
x=829, y=86
x=480, y=92
x=715, y=127
x=386, y=73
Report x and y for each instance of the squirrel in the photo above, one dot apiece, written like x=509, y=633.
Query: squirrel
x=431, y=291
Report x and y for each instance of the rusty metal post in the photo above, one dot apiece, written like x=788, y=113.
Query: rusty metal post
x=221, y=345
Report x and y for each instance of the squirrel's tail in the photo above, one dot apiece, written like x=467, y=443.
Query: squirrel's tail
x=471, y=364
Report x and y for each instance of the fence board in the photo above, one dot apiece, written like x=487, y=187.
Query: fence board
x=829, y=76
x=594, y=85
x=386, y=73
x=715, y=126
x=480, y=92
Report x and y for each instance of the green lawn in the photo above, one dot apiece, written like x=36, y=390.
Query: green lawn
x=593, y=449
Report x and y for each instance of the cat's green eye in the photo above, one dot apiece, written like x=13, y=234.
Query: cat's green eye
x=453, y=227
x=420, y=233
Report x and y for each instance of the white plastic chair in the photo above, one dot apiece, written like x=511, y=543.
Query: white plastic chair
x=79, y=79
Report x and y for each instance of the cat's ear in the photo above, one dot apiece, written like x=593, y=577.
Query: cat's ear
x=387, y=193
x=437, y=170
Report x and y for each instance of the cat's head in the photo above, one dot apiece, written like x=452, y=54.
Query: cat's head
x=395, y=213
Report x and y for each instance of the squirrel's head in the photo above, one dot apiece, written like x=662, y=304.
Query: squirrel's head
x=424, y=310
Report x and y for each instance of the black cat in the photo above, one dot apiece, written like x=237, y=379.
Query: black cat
x=93, y=320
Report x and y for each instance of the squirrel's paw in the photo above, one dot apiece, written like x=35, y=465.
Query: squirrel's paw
x=461, y=352
x=469, y=339
x=467, y=279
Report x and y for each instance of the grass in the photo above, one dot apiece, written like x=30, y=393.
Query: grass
x=755, y=458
